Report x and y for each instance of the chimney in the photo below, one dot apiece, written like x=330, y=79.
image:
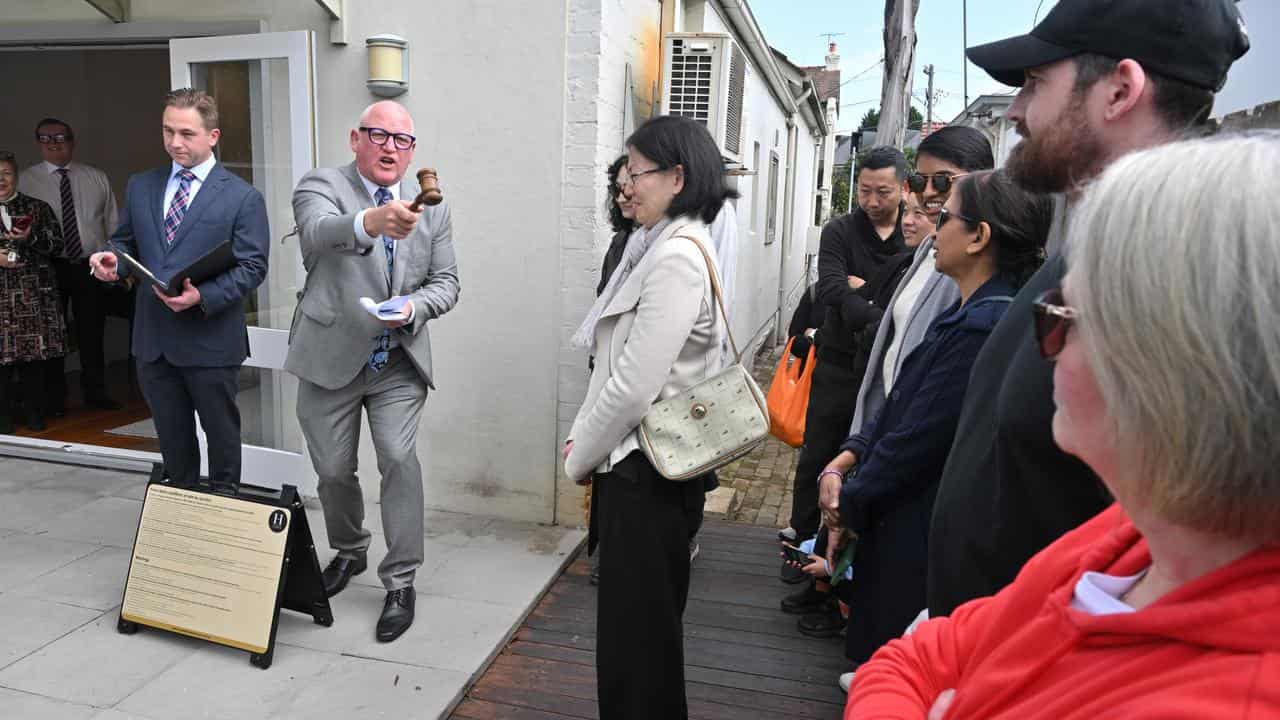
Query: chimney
x=833, y=57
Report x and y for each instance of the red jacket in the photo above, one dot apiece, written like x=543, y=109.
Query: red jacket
x=1210, y=649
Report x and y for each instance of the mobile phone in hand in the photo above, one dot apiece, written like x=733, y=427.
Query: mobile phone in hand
x=795, y=554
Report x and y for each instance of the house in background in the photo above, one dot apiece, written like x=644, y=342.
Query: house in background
x=520, y=105
x=987, y=113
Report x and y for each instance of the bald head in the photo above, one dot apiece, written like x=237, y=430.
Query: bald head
x=384, y=127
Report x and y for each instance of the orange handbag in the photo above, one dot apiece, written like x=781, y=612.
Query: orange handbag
x=788, y=397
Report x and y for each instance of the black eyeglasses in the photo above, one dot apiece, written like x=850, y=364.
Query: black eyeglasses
x=942, y=181
x=379, y=137
x=632, y=176
x=1053, y=318
x=59, y=138
x=944, y=215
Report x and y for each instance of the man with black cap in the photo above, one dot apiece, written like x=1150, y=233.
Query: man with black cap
x=1099, y=79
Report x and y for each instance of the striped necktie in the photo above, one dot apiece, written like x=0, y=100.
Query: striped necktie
x=71, y=247
x=178, y=206
x=382, y=343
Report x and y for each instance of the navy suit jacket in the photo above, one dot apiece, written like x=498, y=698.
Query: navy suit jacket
x=211, y=334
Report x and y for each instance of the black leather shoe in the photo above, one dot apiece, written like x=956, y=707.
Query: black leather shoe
x=397, y=614
x=823, y=623
x=101, y=402
x=805, y=601
x=339, y=571
x=791, y=574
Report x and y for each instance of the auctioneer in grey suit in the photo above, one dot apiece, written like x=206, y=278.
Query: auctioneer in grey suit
x=330, y=346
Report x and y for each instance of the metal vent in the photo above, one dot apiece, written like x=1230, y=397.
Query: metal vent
x=690, y=92
x=733, y=115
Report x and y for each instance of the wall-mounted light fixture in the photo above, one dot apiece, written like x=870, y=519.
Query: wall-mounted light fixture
x=388, y=65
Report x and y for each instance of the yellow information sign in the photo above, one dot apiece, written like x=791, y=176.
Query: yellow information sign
x=207, y=566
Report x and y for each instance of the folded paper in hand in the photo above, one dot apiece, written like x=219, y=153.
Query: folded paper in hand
x=397, y=308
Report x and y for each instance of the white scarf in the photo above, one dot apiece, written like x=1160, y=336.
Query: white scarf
x=637, y=245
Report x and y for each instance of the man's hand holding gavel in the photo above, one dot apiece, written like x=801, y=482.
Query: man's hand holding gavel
x=395, y=219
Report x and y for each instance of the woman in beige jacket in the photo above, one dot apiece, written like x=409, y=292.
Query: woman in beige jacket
x=655, y=331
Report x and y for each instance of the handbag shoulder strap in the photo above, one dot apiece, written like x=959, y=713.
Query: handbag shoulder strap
x=715, y=290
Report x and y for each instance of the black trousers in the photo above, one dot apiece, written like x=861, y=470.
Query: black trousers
x=90, y=303
x=176, y=395
x=832, y=399
x=30, y=387
x=645, y=521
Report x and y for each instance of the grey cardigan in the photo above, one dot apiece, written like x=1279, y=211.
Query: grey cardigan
x=940, y=292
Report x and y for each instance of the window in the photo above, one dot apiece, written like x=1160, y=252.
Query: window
x=771, y=215
x=755, y=189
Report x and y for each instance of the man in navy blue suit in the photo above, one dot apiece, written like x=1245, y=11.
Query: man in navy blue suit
x=189, y=348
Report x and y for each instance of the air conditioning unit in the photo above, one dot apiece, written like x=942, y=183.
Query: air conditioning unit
x=703, y=79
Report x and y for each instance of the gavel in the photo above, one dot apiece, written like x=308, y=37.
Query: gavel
x=430, y=194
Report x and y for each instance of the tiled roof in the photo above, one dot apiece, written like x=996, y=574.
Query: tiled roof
x=827, y=81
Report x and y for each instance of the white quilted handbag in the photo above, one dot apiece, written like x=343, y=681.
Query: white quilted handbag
x=712, y=423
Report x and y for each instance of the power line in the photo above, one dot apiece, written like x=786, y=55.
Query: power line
x=878, y=63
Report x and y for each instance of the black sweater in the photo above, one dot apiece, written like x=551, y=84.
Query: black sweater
x=850, y=246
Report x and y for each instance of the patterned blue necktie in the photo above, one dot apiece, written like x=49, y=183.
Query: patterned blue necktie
x=382, y=343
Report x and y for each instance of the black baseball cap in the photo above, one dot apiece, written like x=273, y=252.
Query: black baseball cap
x=1194, y=41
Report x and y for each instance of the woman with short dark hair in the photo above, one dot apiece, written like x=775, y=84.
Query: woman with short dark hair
x=655, y=331
x=31, y=326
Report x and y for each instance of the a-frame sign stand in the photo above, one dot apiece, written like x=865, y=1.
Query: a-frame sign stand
x=210, y=564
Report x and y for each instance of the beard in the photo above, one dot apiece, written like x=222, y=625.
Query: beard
x=1061, y=158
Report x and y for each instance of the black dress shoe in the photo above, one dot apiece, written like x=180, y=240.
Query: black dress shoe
x=791, y=574
x=101, y=402
x=823, y=623
x=805, y=601
x=397, y=614
x=339, y=571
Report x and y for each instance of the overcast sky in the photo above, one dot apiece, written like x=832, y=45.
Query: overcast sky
x=795, y=28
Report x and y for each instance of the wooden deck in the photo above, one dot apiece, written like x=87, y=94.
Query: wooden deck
x=744, y=657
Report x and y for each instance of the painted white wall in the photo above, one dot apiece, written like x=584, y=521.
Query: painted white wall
x=488, y=96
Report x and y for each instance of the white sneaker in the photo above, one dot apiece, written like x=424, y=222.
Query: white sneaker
x=846, y=679
x=694, y=549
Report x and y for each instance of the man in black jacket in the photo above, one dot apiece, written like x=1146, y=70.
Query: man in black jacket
x=853, y=248
x=1100, y=78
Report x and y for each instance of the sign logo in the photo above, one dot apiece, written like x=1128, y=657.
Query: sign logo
x=277, y=521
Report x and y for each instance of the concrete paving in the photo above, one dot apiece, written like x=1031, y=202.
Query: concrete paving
x=66, y=535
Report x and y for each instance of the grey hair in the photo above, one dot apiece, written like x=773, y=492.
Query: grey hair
x=1178, y=291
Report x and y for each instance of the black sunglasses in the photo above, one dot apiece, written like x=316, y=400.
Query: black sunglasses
x=944, y=215
x=379, y=137
x=942, y=181
x=1053, y=318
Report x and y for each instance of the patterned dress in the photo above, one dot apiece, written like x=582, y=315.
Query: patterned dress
x=31, y=323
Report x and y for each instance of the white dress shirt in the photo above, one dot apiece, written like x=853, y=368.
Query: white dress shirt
x=372, y=188
x=95, y=203
x=201, y=172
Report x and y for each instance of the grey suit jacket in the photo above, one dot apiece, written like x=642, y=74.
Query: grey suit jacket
x=940, y=292
x=332, y=335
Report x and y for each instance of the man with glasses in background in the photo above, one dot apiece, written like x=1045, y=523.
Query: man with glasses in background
x=85, y=206
x=362, y=238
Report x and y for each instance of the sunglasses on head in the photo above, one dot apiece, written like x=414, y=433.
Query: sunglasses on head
x=1053, y=318
x=942, y=181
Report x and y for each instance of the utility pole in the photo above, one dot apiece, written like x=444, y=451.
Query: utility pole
x=964, y=57
x=928, y=100
x=899, y=62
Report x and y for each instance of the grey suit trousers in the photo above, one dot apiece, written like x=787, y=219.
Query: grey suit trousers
x=330, y=419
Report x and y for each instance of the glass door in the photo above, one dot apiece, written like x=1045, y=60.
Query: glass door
x=265, y=88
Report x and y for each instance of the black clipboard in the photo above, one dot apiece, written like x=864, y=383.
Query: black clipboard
x=215, y=262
